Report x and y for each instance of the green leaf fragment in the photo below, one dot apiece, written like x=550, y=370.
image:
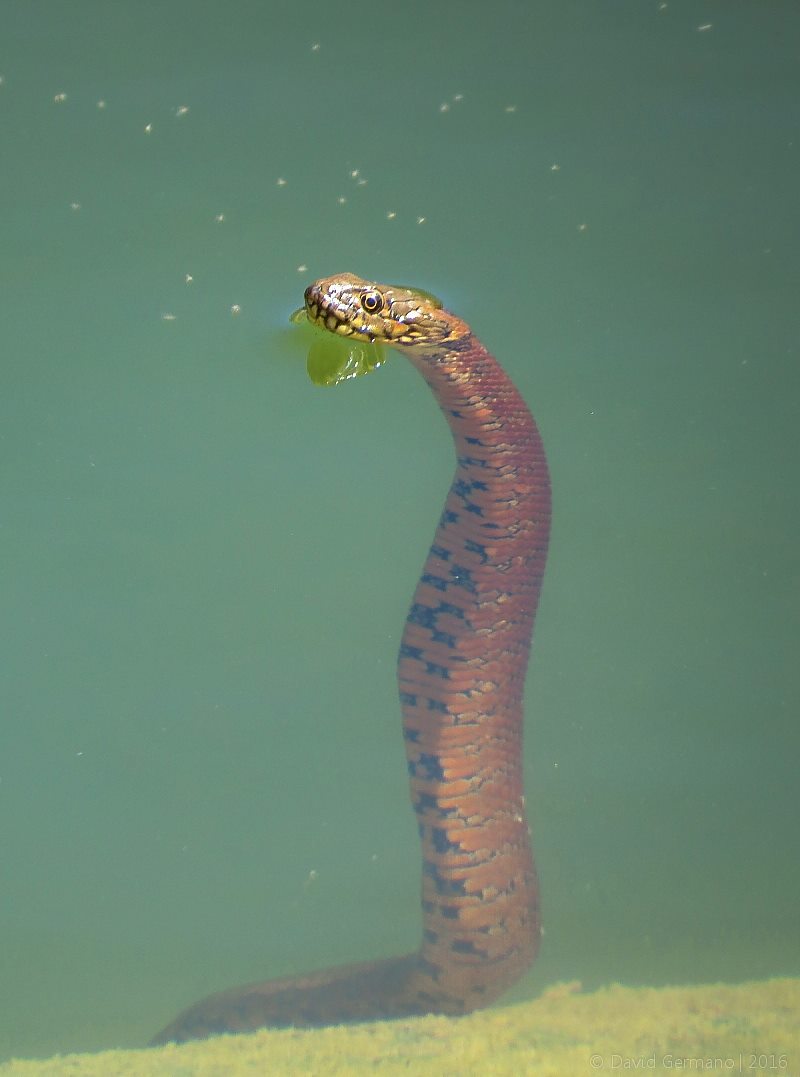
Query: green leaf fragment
x=333, y=359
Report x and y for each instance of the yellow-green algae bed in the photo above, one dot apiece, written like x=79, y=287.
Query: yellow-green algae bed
x=748, y=1028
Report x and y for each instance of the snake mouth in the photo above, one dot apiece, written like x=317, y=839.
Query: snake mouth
x=328, y=312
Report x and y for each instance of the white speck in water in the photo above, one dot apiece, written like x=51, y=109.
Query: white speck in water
x=341, y=199
x=444, y=107
x=181, y=110
x=311, y=878
x=390, y=216
x=701, y=29
x=188, y=278
x=220, y=218
x=280, y=182
x=75, y=206
x=510, y=108
x=148, y=127
x=167, y=317
x=101, y=104
x=59, y=98
x=302, y=268
x=420, y=220
x=235, y=309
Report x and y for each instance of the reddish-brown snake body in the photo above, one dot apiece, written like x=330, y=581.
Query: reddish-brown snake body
x=461, y=674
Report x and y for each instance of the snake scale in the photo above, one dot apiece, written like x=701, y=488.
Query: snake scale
x=461, y=672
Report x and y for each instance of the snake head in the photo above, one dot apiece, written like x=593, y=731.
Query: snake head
x=380, y=313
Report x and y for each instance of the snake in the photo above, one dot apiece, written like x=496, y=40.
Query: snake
x=461, y=674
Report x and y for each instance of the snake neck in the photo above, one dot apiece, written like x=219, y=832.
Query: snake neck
x=461, y=675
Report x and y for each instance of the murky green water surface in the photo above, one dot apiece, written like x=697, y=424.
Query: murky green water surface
x=206, y=560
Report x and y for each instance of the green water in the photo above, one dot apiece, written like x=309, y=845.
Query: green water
x=206, y=561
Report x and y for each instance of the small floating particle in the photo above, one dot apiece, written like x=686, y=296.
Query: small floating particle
x=341, y=199
x=235, y=309
x=315, y=47
x=148, y=127
x=444, y=107
x=188, y=278
x=220, y=218
x=354, y=173
x=2, y=79
x=168, y=317
x=555, y=168
x=583, y=227
x=74, y=206
x=420, y=220
x=510, y=108
x=458, y=97
x=181, y=110
x=310, y=879
x=101, y=103
x=59, y=98
x=302, y=268
x=280, y=182
x=361, y=182
x=390, y=216
x=701, y=29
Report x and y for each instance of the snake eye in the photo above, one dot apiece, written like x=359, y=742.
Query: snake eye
x=372, y=302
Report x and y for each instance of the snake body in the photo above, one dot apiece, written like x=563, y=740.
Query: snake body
x=461, y=672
